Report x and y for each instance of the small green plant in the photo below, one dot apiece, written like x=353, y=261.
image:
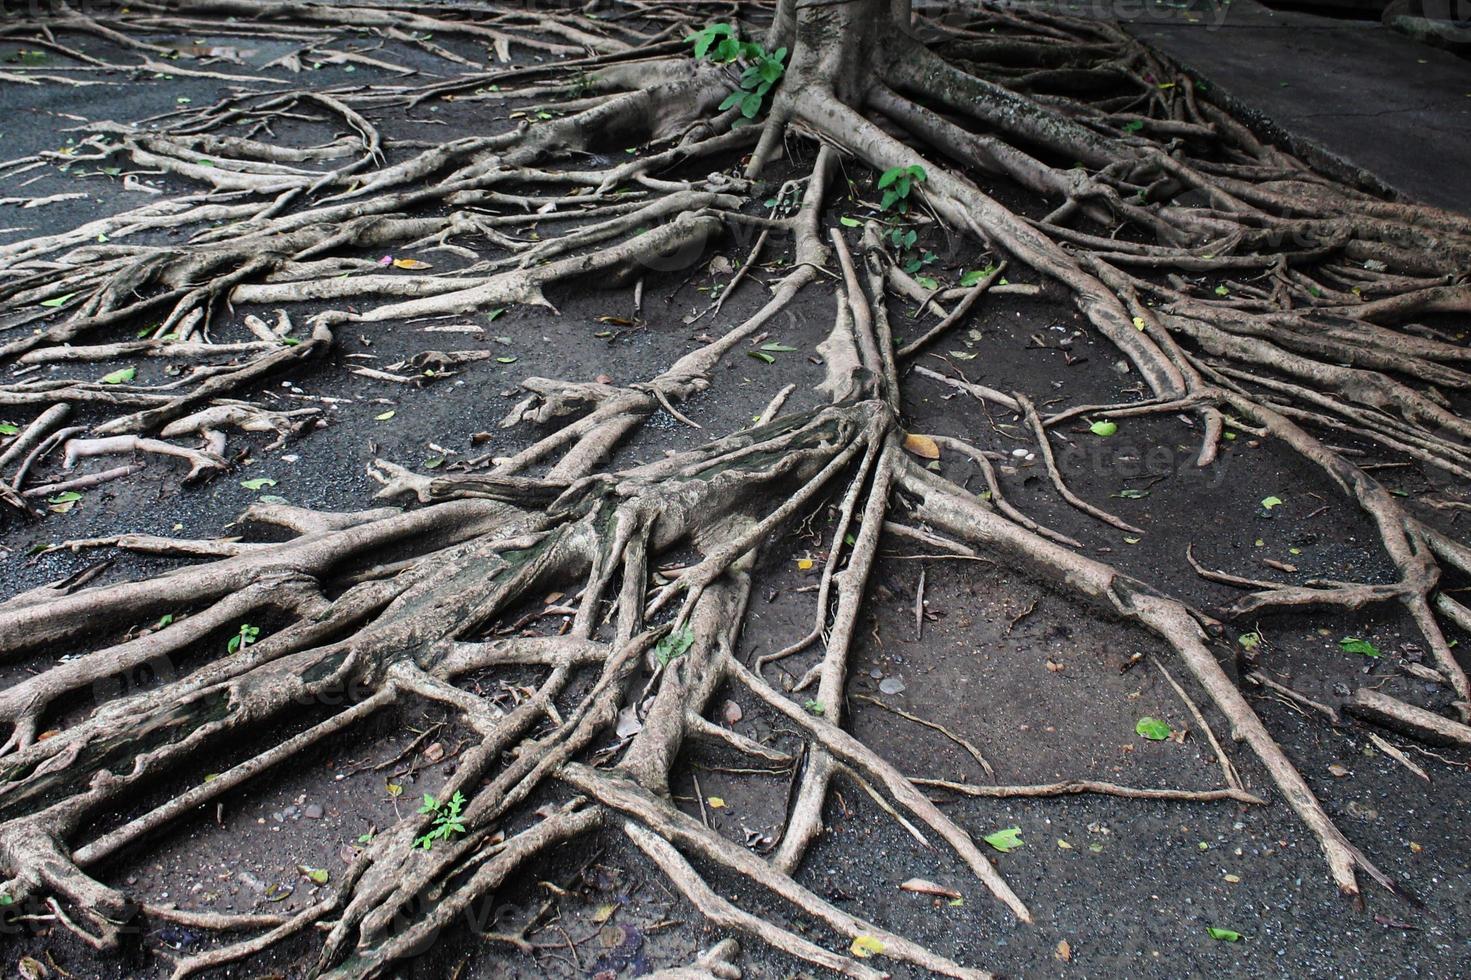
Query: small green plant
x=897, y=183
x=248, y=634
x=446, y=819
x=786, y=201
x=760, y=69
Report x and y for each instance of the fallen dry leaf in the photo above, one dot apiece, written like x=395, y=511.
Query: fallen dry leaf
x=1064, y=951
x=924, y=887
x=922, y=446
x=410, y=264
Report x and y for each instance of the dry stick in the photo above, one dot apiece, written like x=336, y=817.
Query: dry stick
x=679, y=829
x=723, y=914
x=885, y=805
x=1227, y=769
x=1029, y=412
x=919, y=607
x=839, y=537
x=1073, y=787
x=860, y=757
x=1394, y=753
x=979, y=392
x=994, y=485
x=961, y=309
x=741, y=273
x=1262, y=680
x=969, y=747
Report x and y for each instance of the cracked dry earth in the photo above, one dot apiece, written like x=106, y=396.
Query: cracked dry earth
x=965, y=670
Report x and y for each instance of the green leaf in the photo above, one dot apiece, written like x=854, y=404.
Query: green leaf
x=1006, y=840
x=732, y=100
x=778, y=348
x=384, y=416
x=1249, y=641
x=848, y=222
x=976, y=275
x=65, y=497
x=750, y=106
x=674, y=644
x=762, y=356
x=814, y=707
x=1225, y=935
x=56, y=301
x=6, y=429
x=1133, y=125
x=317, y=875
x=248, y=634
x=1153, y=729
x=1269, y=502
x=259, y=483
x=1103, y=427
x=120, y=376
x=508, y=359
x=1128, y=493
x=1354, y=644
x=1222, y=291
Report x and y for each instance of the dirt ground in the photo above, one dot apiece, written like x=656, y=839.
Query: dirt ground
x=1040, y=685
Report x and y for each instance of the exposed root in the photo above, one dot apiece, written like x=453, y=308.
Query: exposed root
x=1249, y=293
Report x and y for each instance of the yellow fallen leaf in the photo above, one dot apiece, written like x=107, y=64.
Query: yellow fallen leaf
x=865, y=946
x=604, y=913
x=1138, y=323
x=1064, y=951
x=1234, y=879
x=805, y=564
x=1416, y=847
x=716, y=803
x=410, y=264
x=922, y=446
x=925, y=887
x=1064, y=844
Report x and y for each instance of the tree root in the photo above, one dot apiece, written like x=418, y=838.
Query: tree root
x=385, y=607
